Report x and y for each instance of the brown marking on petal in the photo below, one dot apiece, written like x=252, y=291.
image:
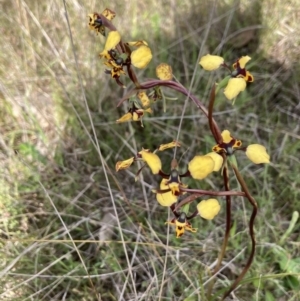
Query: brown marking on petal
x=109, y=14
x=219, y=148
x=249, y=77
x=179, y=231
x=238, y=143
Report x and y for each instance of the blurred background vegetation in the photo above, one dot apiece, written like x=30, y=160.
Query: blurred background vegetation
x=59, y=143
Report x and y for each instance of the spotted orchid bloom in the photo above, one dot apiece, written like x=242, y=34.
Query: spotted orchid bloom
x=207, y=209
x=95, y=21
x=255, y=152
x=134, y=114
x=238, y=77
x=146, y=155
x=181, y=224
x=117, y=55
x=113, y=60
x=139, y=105
x=171, y=185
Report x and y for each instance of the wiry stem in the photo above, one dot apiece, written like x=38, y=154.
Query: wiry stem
x=227, y=230
x=213, y=193
x=175, y=86
x=228, y=219
x=251, y=230
x=214, y=130
x=218, y=137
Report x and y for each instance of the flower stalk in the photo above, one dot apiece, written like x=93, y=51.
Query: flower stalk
x=121, y=58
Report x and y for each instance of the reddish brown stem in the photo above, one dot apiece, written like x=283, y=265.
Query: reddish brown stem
x=213, y=193
x=214, y=130
x=227, y=230
x=176, y=86
x=199, y=192
x=251, y=230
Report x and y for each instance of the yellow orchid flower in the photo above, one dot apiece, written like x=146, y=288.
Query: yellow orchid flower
x=255, y=152
x=239, y=76
x=95, y=22
x=181, y=224
x=228, y=145
x=151, y=159
x=208, y=209
x=134, y=114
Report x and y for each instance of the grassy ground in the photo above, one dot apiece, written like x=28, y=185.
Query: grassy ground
x=72, y=228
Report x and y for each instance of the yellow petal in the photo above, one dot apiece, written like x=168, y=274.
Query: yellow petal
x=168, y=198
x=149, y=110
x=108, y=14
x=164, y=71
x=174, y=186
x=152, y=160
x=138, y=43
x=179, y=231
x=234, y=87
x=105, y=54
x=257, y=154
x=141, y=57
x=249, y=77
x=201, y=166
x=172, y=144
x=211, y=62
x=190, y=228
x=136, y=116
x=126, y=117
x=113, y=39
x=244, y=60
x=218, y=160
x=124, y=164
x=92, y=17
x=226, y=136
x=144, y=99
x=208, y=209
x=179, y=227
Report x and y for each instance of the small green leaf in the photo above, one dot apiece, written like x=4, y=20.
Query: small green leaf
x=269, y=296
x=292, y=282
